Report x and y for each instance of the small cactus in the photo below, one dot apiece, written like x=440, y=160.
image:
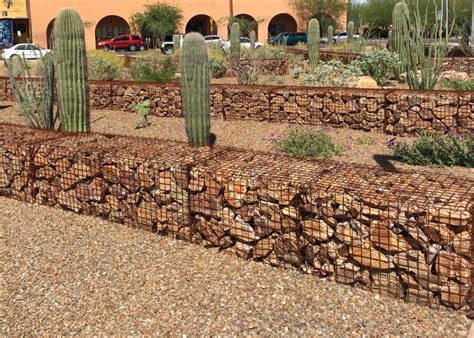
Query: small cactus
x=350, y=31
x=313, y=43
x=71, y=63
x=252, y=37
x=330, y=35
x=235, y=41
x=195, y=83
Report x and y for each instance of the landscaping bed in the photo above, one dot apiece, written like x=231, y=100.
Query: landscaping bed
x=358, y=146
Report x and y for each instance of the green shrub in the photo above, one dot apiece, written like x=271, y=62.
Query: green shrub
x=356, y=46
x=467, y=84
x=311, y=143
x=331, y=74
x=381, y=64
x=438, y=149
x=218, y=64
x=153, y=66
x=268, y=52
x=104, y=65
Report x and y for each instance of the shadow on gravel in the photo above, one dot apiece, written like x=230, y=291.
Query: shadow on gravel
x=2, y=106
x=385, y=161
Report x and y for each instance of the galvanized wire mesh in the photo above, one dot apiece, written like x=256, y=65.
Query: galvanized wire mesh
x=403, y=234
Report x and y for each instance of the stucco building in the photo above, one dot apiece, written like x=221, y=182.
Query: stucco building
x=14, y=22
x=107, y=18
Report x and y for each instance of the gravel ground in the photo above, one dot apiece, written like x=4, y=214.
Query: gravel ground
x=359, y=146
x=63, y=273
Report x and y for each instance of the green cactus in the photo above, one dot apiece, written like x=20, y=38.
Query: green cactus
x=71, y=69
x=350, y=31
x=330, y=35
x=313, y=43
x=400, y=27
x=176, y=42
x=195, y=82
x=235, y=40
x=253, y=38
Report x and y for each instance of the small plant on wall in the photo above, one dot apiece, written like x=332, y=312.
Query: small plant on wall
x=143, y=109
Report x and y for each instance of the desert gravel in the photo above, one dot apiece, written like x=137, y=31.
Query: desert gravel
x=359, y=146
x=63, y=273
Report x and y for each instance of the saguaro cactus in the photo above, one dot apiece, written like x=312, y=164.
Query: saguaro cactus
x=176, y=42
x=350, y=31
x=313, y=43
x=400, y=27
x=71, y=64
x=195, y=82
x=330, y=34
x=235, y=40
x=253, y=38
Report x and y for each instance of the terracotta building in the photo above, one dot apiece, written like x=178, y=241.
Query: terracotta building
x=107, y=18
x=14, y=22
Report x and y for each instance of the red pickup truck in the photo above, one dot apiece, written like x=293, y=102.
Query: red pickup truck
x=127, y=41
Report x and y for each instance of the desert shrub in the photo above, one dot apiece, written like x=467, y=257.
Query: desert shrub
x=153, y=66
x=438, y=149
x=218, y=63
x=268, y=52
x=104, y=65
x=467, y=84
x=381, y=64
x=331, y=74
x=357, y=46
x=310, y=143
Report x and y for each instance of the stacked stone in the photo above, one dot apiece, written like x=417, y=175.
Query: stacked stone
x=401, y=234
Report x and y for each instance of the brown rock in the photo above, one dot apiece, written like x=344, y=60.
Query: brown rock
x=347, y=273
x=4, y=178
x=264, y=247
x=68, y=200
x=165, y=180
x=147, y=213
x=387, y=283
x=451, y=265
x=439, y=233
x=351, y=233
x=206, y=204
x=383, y=237
x=369, y=257
x=317, y=229
x=450, y=217
x=145, y=178
x=234, y=193
x=129, y=179
x=93, y=191
x=454, y=295
x=242, y=231
x=111, y=174
x=462, y=243
x=212, y=187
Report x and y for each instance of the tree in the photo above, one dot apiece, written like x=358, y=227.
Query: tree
x=323, y=10
x=158, y=20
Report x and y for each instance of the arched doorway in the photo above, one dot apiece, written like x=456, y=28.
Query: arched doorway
x=282, y=23
x=203, y=24
x=247, y=24
x=325, y=21
x=111, y=26
x=49, y=34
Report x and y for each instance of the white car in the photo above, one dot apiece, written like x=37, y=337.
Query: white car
x=28, y=50
x=244, y=42
x=214, y=39
x=343, y=37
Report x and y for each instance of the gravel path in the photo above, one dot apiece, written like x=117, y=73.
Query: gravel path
x=63, y=273
x=359, y=146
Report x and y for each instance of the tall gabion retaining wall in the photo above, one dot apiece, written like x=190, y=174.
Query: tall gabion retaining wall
x=395, y=112
x=401, y=234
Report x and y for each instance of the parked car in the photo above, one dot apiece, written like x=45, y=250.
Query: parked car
x=290, y=39
x=244, y=42
x=28, y=50
x=342, y=37
x=167, y=46
x=126, y=41
x=214, y=39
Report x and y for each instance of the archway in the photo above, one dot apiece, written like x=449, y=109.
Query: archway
x=282, y=23
x=325, y=21
x=247, y=24
x=49, y=34
x=203, y=24
x=111, y=26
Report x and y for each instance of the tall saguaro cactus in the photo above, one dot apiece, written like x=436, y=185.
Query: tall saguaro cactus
x=235, y=41
x=71, y=63
x=330, y=34
x=313, y=43
x=350, y=31
x=400, y=27
x=195, y=82
x=253, y=38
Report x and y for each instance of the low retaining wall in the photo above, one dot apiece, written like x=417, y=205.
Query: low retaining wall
x=402, y=234
x=459, y=64
x=391, y=111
